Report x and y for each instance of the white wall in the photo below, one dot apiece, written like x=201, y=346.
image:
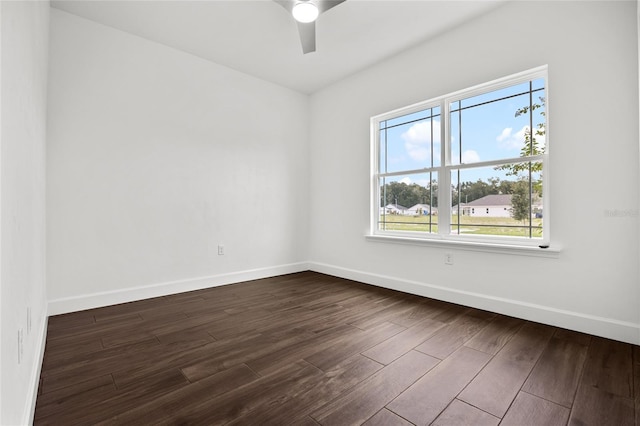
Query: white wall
x=591, y=50
x=24, y=46
x=155, y=157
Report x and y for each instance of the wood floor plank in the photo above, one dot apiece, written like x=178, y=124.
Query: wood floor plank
x=332, y=355
x=420, y=310
x=459, y=413
x=276, y=359
x=306, y=421
x=85, y=366
x=119, y=339
x=91, y=410
x=388, y=314
x=448, y=312
x=193, y=335
x=117, y=317
x=495, y=335
x=573, y=336
x=529, y=409
x=356, y=309
x=55, y=410
x=594, y=406
x=168, y=407
x=495, y=387
x=385, y=417
x=203, y=322
x=374, y=393
x=423, y=401
x=49, y=396
x=557, y=373
x=105, y=326
x=216, y=362
x=304, y=319
x=446, y=340
x=71, y=320
x=269, y=390
x=335, y=382
x=396, y=346
x=609, y=367
x=59, y=354
x=177, y=358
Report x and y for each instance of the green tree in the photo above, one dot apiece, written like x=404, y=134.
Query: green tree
x=520, y=201
x=404, y=195
x=531, y=144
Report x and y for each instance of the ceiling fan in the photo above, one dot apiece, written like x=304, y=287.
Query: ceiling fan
x=305, y=12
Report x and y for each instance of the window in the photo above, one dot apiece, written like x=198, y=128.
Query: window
x=466, y=166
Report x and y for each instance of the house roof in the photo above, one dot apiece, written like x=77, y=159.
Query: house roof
x=491, y=200
x=420, y=206
x=395, y=206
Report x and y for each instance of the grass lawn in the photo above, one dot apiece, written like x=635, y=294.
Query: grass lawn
x=504, y=226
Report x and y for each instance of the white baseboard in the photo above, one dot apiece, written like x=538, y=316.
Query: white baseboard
x=96, y=300
x=599, y=326
x=34, y=380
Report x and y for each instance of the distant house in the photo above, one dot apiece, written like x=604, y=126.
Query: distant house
x=459, y=208
x=394, y=209
x=422, y=209
x=495, y=205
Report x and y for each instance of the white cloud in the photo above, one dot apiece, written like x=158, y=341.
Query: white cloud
x=510, y=140
x=506, y=134
x=515, y=141
x=470, y=156
x=405, y=180
x=418, y=137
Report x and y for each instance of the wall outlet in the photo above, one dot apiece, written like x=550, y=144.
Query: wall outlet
x=220, y=250
x=448, y=258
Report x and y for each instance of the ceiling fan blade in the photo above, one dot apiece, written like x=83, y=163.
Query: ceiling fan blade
x=324, y=5
x=307, y=36
x=287, y=4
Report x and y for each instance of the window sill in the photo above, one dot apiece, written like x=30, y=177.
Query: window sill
x=519, y=250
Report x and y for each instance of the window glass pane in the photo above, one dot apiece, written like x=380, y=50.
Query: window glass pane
x=519, y=89
x=492, y=201
x=408, y=118
x=412, y=142
x=537, y=83
x=409, y=203
x=496, y=125
x=454, y=132
x=539, y=121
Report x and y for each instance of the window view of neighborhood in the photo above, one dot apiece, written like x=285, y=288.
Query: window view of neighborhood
x=490, y=159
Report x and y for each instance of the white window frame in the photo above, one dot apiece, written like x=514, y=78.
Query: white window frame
x=516, y=245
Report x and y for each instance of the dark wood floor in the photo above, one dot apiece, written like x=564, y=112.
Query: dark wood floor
x=308, y=349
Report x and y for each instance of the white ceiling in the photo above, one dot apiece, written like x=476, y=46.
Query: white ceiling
x=259, y=37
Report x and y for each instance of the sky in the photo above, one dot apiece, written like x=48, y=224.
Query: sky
x=478, y=133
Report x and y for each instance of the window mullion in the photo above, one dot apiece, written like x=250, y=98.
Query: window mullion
x=444, y=177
